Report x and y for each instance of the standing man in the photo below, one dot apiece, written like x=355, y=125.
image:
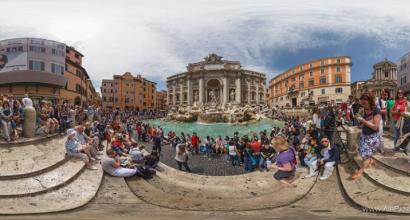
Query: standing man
x=195, y=143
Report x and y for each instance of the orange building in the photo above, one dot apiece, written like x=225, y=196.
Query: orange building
x=129, y=92
x=161, y=101
x=322, y=81
x=79, y=89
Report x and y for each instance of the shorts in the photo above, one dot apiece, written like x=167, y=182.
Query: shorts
x=280, y=175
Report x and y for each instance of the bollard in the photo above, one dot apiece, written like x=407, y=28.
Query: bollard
x=353, y=136
x=29, y=123
x=73, y=121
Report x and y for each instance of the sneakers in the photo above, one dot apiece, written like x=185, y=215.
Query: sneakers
x=323, y=177
x=311, y=175
x=92, y=168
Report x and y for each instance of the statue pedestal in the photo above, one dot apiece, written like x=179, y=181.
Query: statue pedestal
x=29, y=123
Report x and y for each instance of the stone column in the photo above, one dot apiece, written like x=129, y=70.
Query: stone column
x=238, y=90
x=201, y=90
x=225, y=90
x=174, y=95
x=189, y=92
x=257, y=93
x=249, y=91
x=29, y=122
x=181, y=93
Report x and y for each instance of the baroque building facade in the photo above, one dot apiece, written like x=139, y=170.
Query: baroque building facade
x=216, y=81
x=384, y=77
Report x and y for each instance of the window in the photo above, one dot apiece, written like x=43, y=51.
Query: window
x=311, y=82
x=35, y=41
x=323, y=91
x=338, y=61
x=37, y=49
x=55, y=68
x=104, y=99
x=301, y=76
x=386, y=74
x=15, y=49
x=311, y=65
x=301, y=85
x=322, y=80
x=322, y=70
x=78, y=73
x=293, y=79
x=338, y=90
x=338, y=79
x=57, y=52
x=301, y=67
x=77, y=55
x=36, y=65
x=322, y=62
x=338, y=69
x=311, y=73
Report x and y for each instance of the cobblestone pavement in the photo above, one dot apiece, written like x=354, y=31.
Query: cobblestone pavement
x=199, y=164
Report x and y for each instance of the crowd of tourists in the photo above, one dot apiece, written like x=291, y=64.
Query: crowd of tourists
x=301, y=143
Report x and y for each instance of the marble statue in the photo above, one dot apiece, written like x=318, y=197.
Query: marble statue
x=232, y=96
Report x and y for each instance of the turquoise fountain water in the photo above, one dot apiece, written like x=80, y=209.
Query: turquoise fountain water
x=216, y=129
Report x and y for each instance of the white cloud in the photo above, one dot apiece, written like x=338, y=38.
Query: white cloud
x=159, y=38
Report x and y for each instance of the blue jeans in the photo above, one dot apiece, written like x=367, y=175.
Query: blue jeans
x=208, y=151
x=248, y=164
x=234, y=159
x=396, y=134
x=309, y=162
x=262, y=163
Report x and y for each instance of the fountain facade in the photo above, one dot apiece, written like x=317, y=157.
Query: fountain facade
x=216, y=90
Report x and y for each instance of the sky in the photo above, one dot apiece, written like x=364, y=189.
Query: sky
x=159, y=38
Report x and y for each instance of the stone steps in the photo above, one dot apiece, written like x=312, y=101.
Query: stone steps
x=26, y=141
x=75, y=194
x=240, y=192
x=369, y=196
x=31, y=160
x=387, y=178
x=397, y=162
x=43, y=182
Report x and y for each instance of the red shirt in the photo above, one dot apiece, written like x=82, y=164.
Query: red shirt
x=194, y=140
x=256, y=146
x=399, y=107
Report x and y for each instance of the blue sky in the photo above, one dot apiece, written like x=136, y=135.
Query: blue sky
x=159, y=38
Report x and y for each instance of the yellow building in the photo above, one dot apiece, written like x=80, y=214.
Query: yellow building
x=44, y=69
x=322, y=81
x=127, y=92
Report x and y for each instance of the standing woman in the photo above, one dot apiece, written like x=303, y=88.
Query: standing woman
x=369, y=139
x=182, y=156
x=398, y=108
